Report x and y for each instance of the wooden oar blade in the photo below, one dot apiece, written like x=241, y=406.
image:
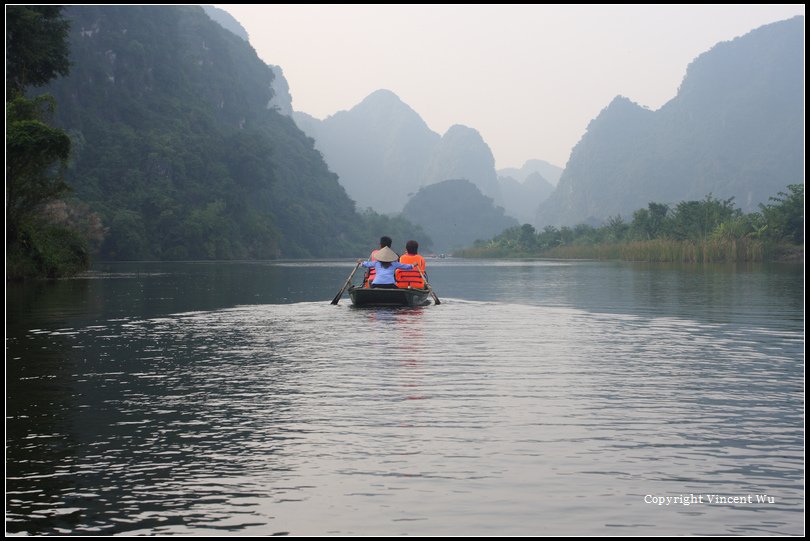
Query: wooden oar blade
x=342, y=289
x=427, y=285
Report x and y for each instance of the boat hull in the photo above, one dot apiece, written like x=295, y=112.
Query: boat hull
x=375, y=296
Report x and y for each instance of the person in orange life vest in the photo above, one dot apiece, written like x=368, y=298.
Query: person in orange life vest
x=385, y=265
x=411, y=278
x=369, y=277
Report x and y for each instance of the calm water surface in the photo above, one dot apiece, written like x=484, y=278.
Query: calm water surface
x=538, y=398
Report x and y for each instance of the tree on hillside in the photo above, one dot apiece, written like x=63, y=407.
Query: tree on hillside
x=36, y=46
x=649, y=223
x=36, y=153
x=698, y=219
x=784, y=216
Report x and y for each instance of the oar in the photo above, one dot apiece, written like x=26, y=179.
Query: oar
x=342, y=289
x=433, y=293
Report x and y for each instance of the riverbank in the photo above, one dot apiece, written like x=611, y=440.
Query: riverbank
x=658, y=250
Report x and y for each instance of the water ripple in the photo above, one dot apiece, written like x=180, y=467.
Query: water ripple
x=472, y=417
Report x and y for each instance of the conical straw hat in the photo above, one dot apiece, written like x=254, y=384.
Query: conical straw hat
x=386, y=255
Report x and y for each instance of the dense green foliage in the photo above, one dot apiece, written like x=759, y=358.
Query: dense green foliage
x=707, y=230
x=455, y=213
x=44, y=249
x=37, y=244
x=735, y=129
x=36, y=49
x=177, y=151
x=783, y=217
x=35, y=156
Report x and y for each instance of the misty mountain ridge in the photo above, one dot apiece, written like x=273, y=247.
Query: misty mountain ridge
x=384, y=152
x=379, y=149
x=547, y=170
x=462, y=153
x=522, y=198
x=734, y=129
x=524, y=188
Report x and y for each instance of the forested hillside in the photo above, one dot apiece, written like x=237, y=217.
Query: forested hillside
x=176, y=149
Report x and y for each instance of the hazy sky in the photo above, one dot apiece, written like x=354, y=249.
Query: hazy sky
x=528, y=78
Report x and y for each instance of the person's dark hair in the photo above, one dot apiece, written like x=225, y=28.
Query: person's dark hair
x=385, y=241
x=412, y=247
x=385, y=264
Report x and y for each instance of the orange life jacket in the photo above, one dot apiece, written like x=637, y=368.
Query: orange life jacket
x=370, y=274
x=411, y=278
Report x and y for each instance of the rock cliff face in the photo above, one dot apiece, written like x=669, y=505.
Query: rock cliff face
x=735, y=129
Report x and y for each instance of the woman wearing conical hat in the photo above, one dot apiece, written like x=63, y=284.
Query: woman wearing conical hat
x=385, y=266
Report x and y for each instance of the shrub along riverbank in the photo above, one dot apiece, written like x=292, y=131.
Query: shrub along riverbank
x=705, y=231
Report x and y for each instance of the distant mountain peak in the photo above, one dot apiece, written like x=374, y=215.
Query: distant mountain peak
x=460, y=130
x=536, y=164
x=719, y=72
x=383, y=151
x=463, y=153
x=378, y=148
x=734, y=129
x=384, y=103
x=383, y=95
x=549, y=171
x=620, y=101
x=620, y=107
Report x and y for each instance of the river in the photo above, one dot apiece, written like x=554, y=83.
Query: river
x=539, y=398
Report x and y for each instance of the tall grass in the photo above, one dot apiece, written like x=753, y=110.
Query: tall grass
x=491, y=251
x=665, y=250
x=585, y=251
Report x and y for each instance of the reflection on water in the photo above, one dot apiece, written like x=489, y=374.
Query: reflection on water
x=544, y=410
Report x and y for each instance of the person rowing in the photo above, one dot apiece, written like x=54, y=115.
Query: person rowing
x=385, y=266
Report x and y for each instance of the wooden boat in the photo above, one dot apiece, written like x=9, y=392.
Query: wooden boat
x=379, y=296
